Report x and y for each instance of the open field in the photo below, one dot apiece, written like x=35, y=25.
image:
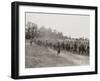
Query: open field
x=39, y=56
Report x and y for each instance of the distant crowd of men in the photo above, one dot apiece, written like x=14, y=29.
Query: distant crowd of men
x=75, y=46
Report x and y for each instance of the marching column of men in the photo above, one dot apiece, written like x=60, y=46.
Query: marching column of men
x=71, y=46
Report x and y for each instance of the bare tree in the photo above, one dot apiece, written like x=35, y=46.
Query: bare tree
x=31, y=30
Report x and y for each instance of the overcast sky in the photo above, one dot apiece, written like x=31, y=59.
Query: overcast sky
x=70, y=25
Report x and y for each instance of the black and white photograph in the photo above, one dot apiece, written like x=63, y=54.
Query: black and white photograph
x=50, y=40
x=56, y=39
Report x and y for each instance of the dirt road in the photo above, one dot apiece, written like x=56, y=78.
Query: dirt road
x=39, y=56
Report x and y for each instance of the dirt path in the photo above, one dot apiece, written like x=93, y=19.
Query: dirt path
x=39, y=56
x=75, y=58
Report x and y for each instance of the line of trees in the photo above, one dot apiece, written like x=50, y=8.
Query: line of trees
x=32, y=31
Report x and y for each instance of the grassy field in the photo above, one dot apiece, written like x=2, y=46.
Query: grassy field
x=39, y=56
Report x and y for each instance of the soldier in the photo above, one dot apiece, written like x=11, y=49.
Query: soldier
x=58, y=51
x=58, y=48
x=31, y=40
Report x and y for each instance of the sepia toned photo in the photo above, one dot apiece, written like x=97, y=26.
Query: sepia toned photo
x=52, y=40
x=56, y=39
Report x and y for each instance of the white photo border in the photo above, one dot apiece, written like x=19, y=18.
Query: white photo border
x=52, y=70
